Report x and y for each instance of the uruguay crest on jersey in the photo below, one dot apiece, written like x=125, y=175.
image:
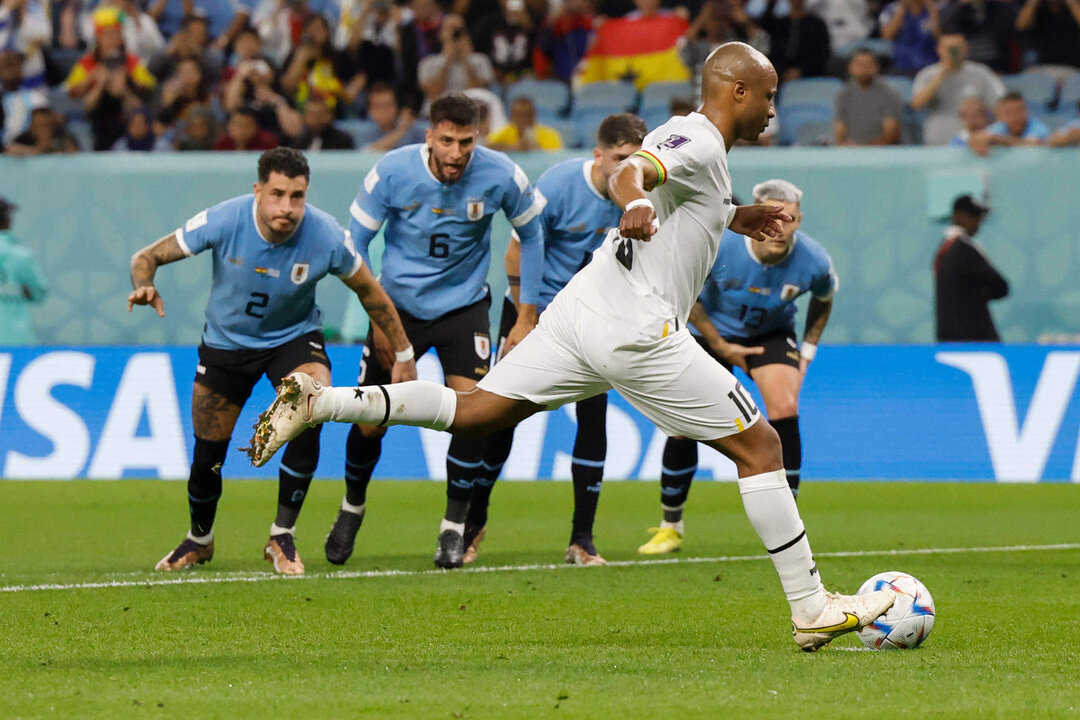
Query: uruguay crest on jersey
x=299, y=272
x=475, y=210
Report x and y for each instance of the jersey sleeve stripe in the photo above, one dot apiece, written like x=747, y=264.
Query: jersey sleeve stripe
x=183, y=245
x=537, y=207
x=363, y=218
x=660, y=169
x=357, y=264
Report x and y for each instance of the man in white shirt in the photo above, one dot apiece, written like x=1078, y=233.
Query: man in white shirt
x=621, y=323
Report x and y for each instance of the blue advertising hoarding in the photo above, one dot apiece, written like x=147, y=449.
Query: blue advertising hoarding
x=944, y=412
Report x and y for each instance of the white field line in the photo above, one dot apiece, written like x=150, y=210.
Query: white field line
x=198, y=578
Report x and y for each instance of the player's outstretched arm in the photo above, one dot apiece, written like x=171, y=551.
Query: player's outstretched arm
x=627, y=187
x=384, y=316
x=817, y=315
x=144, y=265
x=759, y=222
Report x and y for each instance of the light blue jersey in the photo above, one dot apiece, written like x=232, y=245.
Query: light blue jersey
x=438, y=235
x=574, y=221
x=263, y=294
x=745, y=298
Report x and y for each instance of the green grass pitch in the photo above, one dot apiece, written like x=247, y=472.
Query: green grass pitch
x=703, y=639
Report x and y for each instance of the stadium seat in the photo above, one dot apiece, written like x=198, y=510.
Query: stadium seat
x=881, y=48
x=567, y=131
x=1037, y=88
x=80, y=130
x=814, y=132
x=810, y=91
x=609, y=97
x=655, y=117
x=660, y=95
x=587, y=122
x=900, y=84
x=793, y=117
x=359, y=129
x=1070, y=93
x=550, y=96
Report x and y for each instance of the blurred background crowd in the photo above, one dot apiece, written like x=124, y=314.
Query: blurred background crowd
x=177, y=75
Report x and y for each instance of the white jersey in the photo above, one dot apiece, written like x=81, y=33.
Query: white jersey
x=660, y=279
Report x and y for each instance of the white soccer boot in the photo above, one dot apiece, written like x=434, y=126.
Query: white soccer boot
x=842, y=614
x=287, y=417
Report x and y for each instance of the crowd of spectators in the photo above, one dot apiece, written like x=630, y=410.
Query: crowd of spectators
x=161, y=75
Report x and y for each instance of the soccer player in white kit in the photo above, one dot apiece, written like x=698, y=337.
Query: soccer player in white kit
x=621, y=323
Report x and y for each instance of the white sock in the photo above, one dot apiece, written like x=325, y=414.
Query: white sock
x=772, y=511
x=201, y=539
x=354, y=509
x=411, y=403
x=676, y=526
x=275, y=529
x=447, y=525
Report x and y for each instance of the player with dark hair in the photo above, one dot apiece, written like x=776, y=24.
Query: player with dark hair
x=270, y=250
x=745, y=317
x=621, y=323
x=437, y=200
x=578, y=214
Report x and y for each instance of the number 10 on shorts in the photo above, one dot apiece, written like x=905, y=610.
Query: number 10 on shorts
x=744, y=402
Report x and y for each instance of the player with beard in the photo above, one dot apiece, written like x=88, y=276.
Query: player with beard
x=437, y=200
x=621, y=323
x=270, y=250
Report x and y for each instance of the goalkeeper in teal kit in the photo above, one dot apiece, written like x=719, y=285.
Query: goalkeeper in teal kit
x=270, y=249
x=745, y=317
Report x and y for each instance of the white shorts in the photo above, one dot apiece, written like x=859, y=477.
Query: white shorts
x=575, y=353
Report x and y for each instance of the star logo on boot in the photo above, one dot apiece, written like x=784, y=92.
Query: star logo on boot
x=358, y=394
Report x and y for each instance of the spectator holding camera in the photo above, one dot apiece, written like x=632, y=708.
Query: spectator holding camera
x=191, y=42
x=941, y=88
x=369, y=33
x=457, y=67
x=315, y=68
x=108, y=79
x=252, y=88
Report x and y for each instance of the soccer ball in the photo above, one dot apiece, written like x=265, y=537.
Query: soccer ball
x=907, y=622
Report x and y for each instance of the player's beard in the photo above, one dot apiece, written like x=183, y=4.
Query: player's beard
x=279, y=236
x=440, y=169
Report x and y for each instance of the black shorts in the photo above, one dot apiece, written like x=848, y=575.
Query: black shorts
x=781, y=348
x=460, y=338
x=506, y=323
x=233, y=373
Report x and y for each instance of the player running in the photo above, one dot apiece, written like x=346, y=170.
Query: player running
x=270, y=250
x=746, y=317
x=620, y=323
x=578, y=214
x=438, y=200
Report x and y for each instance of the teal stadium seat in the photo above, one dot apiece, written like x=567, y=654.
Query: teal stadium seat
x=810, y=91
x=609, y=96
x=550, y=96
x=660, y=95
x=1038, y=89
x=1070, y=94
x=793, y=117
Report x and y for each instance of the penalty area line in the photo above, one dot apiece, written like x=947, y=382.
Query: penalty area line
x=251, y=577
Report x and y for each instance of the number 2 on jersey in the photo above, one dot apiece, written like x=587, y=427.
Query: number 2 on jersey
x=260, y=300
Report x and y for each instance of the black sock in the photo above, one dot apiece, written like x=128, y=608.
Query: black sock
x=679, y=466
x=462, y=464
x=361, y=455
x=791, y=443
x=298, y=465
x=204, y=483
x=496, y=449
x=587, y=467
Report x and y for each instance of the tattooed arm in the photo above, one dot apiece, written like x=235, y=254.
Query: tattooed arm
x=144, y=265
x=388, y=334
